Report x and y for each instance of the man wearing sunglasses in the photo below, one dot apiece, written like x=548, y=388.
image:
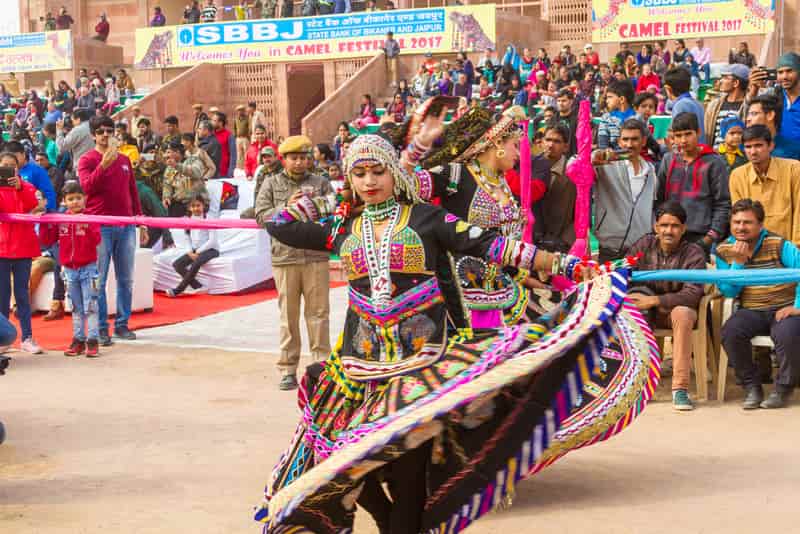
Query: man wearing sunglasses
x=108, y=181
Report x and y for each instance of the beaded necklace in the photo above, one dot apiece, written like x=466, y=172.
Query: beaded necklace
x=490, y=180
x=381, y=211
x=378, y=256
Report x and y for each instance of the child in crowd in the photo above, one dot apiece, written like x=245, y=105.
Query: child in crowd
x=732, y=129
x=484, y=90
x=204, y=248
x=335, y=176
x=18, y=246
x=645, y=105
x=619, y=98
x=77, y=250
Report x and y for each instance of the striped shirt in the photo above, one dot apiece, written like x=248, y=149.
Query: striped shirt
x=771, y=252
x=609, y=128
x=209, y=14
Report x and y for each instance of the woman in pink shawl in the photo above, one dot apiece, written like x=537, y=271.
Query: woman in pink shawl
x=367, y=114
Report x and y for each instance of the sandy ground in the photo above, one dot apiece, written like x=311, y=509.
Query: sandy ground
x=162, y=439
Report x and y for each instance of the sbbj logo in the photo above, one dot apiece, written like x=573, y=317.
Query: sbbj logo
x=237, y=33
x=186, y=37
x=654, y=3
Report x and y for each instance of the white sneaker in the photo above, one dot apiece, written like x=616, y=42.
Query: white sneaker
x=192, y=291
x=30, y=346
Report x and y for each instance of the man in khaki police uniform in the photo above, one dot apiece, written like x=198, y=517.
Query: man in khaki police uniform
x=298, y=273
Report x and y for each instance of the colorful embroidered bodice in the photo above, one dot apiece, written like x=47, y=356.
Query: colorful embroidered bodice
x=468, y=195
x=397, y=315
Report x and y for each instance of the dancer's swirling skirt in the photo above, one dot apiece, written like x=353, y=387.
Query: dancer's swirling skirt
x=496, y=407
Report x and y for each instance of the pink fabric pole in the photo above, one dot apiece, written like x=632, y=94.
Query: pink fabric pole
x=182, y=223
x=525, y=182
x=581, y=172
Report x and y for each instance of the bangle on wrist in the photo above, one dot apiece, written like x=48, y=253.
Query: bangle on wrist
x=556, y=263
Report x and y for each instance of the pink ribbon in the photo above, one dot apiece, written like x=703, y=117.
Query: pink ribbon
x=183, y=223
x=581, y=172
x=525, y=182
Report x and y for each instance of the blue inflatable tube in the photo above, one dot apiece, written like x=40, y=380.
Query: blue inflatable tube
x=738, y=277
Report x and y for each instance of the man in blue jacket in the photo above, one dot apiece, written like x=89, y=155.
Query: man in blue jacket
x=33, y=174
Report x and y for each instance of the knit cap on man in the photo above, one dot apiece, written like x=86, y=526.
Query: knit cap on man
x=790, y=60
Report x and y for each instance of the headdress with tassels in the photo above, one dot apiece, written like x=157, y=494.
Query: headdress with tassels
x=472, y=134
x=376, y=149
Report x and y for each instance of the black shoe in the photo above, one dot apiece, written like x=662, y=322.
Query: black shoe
x=104, y=339
x=123, y=332
x=288, y=382
x=753, y=398
x=777, y=399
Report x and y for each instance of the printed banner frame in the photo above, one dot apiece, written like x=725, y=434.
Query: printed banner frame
x=435, y=30
x=36, y=52
x=641, y=20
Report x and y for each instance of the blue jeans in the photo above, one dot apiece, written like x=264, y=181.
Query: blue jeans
x=21, y=269
x=118, y=244
x=7, y=332
x=83, y=285
x=706, y=69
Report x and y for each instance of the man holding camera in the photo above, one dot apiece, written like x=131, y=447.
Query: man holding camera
x=787, y=94
x=107, y=178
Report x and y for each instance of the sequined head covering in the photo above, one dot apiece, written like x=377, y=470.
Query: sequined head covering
x=474, y=133
x=375, y=149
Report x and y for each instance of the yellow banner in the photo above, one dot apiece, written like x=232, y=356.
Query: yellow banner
x=638, y=20
x=435, y=30
x=31, y=52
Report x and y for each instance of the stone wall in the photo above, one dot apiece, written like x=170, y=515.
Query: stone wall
x=203, y=84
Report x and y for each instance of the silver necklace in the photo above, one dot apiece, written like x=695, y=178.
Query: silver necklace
x=378, y=259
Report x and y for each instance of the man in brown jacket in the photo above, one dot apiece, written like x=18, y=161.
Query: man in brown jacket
x=298, y=273
x=671, y=304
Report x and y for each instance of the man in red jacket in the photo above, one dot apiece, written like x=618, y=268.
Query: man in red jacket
x=227, y=143
x=260, y=141
x=107, y=178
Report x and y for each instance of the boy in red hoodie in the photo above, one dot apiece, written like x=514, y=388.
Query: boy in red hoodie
x=78, y=256
x=696, y=177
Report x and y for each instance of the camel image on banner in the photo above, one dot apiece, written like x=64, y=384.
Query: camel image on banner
x=159, y=52
x=468, y=33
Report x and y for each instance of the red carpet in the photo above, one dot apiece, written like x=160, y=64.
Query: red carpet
x=56, y=335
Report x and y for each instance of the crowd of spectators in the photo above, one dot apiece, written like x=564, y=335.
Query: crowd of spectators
x=720, y=185
x=62, y=152
x=729, y=154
